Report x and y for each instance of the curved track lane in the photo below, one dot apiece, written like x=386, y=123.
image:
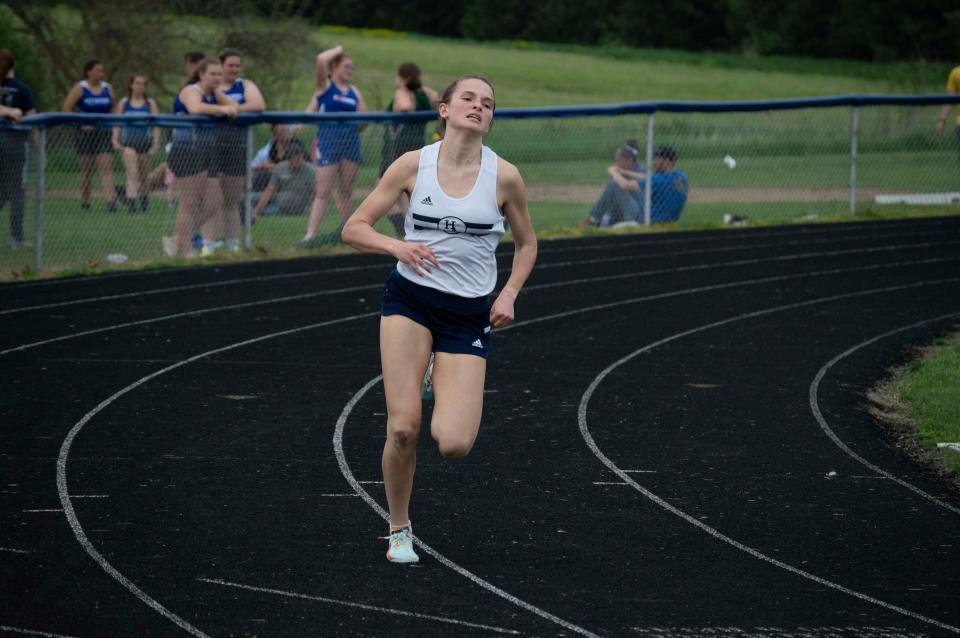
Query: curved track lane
x=208, y=485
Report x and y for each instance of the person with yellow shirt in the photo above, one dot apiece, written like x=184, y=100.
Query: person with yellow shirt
x=953, y=86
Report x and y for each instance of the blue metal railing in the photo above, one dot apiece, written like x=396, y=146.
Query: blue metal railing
x=45, y=120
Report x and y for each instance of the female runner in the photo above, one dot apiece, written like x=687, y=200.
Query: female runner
x=437, y=298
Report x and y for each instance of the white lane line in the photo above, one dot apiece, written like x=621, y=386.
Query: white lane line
x=734, y=284
x=689, y=236
x=609, y=483
x=786, y=231
x=89, y=496
x=56, y=510
x=350, y=495
x=741, y=262
x=440, y=558
x=64, y=456
x=32, y=632
x=190, y=313
x=15, y=551
x=818, y=415
x=68, y=441
x=846, y=251
x=345, y=603
x=211, y=284
x=591, y=443
x=563, y=264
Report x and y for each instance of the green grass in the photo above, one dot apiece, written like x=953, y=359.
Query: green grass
x=928, y=389
x=537, y=75
x=806, y=149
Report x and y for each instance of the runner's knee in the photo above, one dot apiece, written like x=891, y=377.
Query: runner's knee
x=403, y=431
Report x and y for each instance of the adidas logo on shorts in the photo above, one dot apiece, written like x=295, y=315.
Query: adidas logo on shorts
x=426, y=201
x=477, y=344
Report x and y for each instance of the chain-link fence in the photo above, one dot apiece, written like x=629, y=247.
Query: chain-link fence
x=82, y=190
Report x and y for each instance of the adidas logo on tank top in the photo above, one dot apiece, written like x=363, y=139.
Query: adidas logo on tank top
x=463, y=232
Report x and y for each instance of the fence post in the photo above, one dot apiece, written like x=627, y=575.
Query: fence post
x=41, y=190
x=854, y=129
x=247, y=224
x=647, y=196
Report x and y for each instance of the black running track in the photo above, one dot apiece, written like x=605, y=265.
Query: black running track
x=676, y=442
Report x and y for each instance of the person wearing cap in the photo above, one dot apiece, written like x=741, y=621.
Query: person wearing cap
x=617, y=204
x=623, y=202
x=292, y=186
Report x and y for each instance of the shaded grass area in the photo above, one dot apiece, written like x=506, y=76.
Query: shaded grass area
x=926, y=391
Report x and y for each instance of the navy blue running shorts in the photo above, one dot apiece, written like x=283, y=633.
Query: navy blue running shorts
x=460, y=325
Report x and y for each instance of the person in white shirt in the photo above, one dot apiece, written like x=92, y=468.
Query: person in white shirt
x=437, y=298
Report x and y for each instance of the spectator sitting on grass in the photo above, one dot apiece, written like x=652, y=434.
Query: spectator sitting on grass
x=269, y=155
x=292, y=186
x=622, y=201
x=617, y=204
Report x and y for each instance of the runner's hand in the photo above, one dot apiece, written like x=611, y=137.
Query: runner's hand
x=501, y=313
x=416, y=256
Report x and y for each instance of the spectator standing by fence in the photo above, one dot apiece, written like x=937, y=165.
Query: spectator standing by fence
x=953, y=86
x=93, y=144
x=338, y=143
x=136, y=142
x=410, y=95
x=232, y=156
x=193, y=153
x=16, y=101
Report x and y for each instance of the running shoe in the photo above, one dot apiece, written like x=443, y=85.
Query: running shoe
x=400, y=549
x=426, y=387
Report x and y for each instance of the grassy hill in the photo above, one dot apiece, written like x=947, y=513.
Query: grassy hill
x=526, y=74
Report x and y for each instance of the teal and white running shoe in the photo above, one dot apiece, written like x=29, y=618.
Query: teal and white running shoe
x=426, y=388
x=400, y=549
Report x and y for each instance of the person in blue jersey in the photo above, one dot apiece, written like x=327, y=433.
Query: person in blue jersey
x=193, y=158
x=437, y=298
x=232, y=156
x=668, y=195
x=16, y=102
x=338, y=143
x=93, y=144
x=137, y=143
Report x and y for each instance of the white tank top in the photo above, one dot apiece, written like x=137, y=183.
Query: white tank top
x=463, y=232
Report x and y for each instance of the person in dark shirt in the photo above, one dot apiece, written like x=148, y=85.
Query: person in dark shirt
x=16, y=101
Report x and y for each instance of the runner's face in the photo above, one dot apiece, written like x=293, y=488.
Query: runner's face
x=231, y=68
x=471, y=106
